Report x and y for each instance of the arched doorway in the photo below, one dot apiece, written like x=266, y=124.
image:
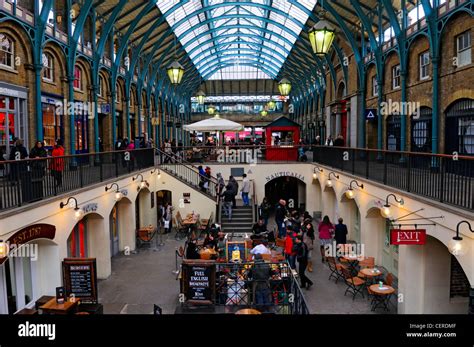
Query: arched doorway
x=393, y=132
x=163, y=197
x=330, y=206
x=288, y=188
x=459, y=129
x=349, y=211
x=317, y=196
x=121, y=227
x=143, y=212
x=421, y=131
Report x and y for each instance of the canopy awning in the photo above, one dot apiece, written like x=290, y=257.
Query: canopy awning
x=214, y=124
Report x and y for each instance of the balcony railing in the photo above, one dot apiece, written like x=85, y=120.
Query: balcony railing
x=30, y=180
x=444, y=178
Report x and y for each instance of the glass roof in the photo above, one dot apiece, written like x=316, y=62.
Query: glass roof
x=237, y=39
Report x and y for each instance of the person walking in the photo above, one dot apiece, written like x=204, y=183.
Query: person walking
x=235, y=189
x=265, y=210
x=167, y=217
x=228, y=198
x=302, y=258
x=38, y=166
x=325, y=229
x=168, y=151
x=245, y=190
x=220, y=183
x=57, y=164
x=280, y=215
x=308, y=239
x=340, y=234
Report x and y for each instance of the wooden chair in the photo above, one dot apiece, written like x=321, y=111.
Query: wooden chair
x=336, y=269
x=355, y=285
x=367, y=263
x=389, y=279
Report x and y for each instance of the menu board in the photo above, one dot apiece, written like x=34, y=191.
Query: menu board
x=80, y=279
x=199, y=281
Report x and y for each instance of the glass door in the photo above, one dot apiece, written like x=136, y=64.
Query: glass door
x=114, y=232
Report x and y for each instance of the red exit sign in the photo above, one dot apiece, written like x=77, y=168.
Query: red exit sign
x=407, y=237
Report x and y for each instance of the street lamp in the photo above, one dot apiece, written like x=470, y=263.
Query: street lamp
x=264, y=113
x=271, y=105
x=385, y=211
x=321, y=35
x=315, y=174
x=455, y=246
x=284, y=87
x=211, y=109
x=350, y=194
x=175, y=72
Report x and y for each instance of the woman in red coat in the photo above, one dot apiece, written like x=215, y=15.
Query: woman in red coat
x=57, y=164
x=290, y=249
x=326, y=230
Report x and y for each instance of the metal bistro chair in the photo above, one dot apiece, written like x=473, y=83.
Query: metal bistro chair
x=181, y=230
x=336, y=269
x=355, y=285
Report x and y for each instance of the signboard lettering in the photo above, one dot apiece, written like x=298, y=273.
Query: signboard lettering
x=407, y=237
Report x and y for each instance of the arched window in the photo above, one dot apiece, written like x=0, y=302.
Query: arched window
x=101, y=86
x=421, y=130
x=117, y=93
x=460, y=127
x=393, y=132
x=48, y=67
x=77, y=78
x=7, y=51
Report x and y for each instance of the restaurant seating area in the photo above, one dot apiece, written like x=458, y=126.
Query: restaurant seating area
x=362, y=278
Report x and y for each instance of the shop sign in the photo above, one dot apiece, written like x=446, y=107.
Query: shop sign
x=371, y=114
x=285, y=174
x=90, y=208
x=80, y=279
x=105, y=108
x=407, y=236
x=30, y=233
x=199, y=277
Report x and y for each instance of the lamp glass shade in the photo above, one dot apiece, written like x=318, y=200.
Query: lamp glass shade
x=329, y=183
x=350, y=194
x=315, y=175
x=321, y=37
x=143, y=184
x=201, y=97
x=118, y=196
x=175, y=73
x=264, y=113
x=211, y=110
x=385, y=211
x=457, y=247
x=78, y=214
x=284, y=87
x=271, y=105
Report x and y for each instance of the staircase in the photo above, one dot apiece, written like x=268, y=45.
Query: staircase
x=241, y=223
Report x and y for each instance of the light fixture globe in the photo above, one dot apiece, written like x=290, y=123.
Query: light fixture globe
x=350, y=194
x=271, y=105
x=143, y=184
x=284, y=87
x=4, y=249
x=321, y=37
x=211, y=109
x=456, y=246
x=329, y=183
x=385, y=211
x=201, y=97
x=78, y=213
x=264, y=113
x=175, y=73
x=118, y=196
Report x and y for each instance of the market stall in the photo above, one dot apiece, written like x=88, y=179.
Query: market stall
x=282, y=138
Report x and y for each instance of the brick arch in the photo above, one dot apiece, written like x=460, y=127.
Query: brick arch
x=20, y=37
x=457, y=95
x=105, y=75
x=59, y=58
x=463, y=12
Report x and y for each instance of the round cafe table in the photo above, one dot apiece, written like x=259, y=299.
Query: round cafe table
x=381, y=296
x=353, y=261
x=371, y=273
x=248, y=311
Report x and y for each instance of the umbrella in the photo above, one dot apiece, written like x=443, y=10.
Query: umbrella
x=214, y=124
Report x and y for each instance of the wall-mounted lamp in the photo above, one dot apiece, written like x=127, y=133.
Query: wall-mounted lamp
x=385, y=211
x=143, y=183
x=72, y=202
x=350, y=192
x=3, y=249
x=118, y=193
x=316, y=169
x=455, y=245
x=158, y=172
x=329, y=182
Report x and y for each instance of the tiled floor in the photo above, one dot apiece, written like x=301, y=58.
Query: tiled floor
x=139, y=281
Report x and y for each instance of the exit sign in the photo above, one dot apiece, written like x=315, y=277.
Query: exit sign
x=407, y=237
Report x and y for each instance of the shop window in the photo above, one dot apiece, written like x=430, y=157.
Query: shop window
x=48, y=67
x=393, y=133
x=7, y=51
x=375, y=86
x=51, y=125
x=421, y=131
x=460, y=128
x=77, y=78
x=77, y=241
x=396, y=77
x=464, y=51
x=424, y=65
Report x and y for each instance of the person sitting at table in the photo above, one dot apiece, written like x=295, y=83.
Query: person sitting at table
x=261, y=249
x=221, y=242
x=258, y=228
x=210, y=241
x=215, y=230
x=191, y=251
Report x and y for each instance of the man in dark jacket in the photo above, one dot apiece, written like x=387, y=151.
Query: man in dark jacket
x=302, y=258
x=341, y=233
x=18, y=152
x=261, y=274
x=280, y=215
x=235, y=190
x=228, y=197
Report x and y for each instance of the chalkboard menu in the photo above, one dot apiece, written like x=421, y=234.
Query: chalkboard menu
x=199, y=281
x=80, y=279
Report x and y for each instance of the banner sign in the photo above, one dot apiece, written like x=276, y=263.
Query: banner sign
x=407, y=237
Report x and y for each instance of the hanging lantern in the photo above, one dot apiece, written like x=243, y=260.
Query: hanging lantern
x=201, y=97
x=175, y=72
x=271, y=105
x=285, y=87
x=211, y=109
x=321, y=37
x=264, y=113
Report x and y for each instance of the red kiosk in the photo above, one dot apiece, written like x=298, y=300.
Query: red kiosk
x=282, y=137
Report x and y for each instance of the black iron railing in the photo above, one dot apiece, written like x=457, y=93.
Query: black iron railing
x=237, y=288
x=445, y=178
x=30, y=180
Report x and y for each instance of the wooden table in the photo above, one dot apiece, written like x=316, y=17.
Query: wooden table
x=381, y=296
x=371, y=273
x=52, y=307
x=248, y=311
x=353, y=261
